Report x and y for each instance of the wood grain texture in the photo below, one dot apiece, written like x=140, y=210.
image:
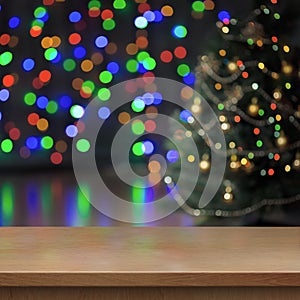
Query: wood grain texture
x=146, y=293
x=145, y=256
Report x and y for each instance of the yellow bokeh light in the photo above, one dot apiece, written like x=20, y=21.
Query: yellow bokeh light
x=124, y=117
x=244, y=161
x=47, y=42
x=42, y=124
x=286, y=48
x=218, y=86
x=167, y=11
x=87, y=65
x=232, y=145
x=191, y=158
x=56, y=41
x=222, y=52
x=261, y=65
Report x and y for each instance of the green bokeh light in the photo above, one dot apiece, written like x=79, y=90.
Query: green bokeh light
x=221, y=106
x=6, y=58
x=104, y=94
x=94, y=4
x=52, y=107
x=119, y=4
x=138, y=149
x=76, y=111
x=88, y=87
x=47, y=142
x=183, y=70
x=138, y=105
x=7, y=145
x=38, y=23
x=142, y=55
x=109, y=24
x=261, y=112
x=259, y=143
x=149, y=63
x=132, y=65
x=251, y=155
x=50, y=54
x=29, y=99
x=83, y=145
x=198, y=6
x=250, y=42
x=39, y=12
x=105, y=77
x=69, y=65
x=138, y=127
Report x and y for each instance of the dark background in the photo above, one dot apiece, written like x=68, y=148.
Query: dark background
x=21, y=174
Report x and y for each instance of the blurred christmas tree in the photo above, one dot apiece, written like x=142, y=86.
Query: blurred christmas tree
x=253, y=84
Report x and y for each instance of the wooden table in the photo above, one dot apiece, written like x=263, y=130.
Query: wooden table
x=149, y=263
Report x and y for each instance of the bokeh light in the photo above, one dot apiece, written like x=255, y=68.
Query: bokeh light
x=179, y=31
x=56, y=57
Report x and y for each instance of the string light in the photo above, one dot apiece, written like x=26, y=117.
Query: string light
x=228, y=213
x=232, y=92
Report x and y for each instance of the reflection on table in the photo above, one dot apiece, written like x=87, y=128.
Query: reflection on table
x=54, y=199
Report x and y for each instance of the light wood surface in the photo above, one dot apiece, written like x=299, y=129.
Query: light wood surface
x=149, y=257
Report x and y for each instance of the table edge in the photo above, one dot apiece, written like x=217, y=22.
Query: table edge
x=149, y=279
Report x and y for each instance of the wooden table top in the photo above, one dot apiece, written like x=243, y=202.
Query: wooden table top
x=149, y=256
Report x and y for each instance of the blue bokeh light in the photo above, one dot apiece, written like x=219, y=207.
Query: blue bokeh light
x=149, y=15
x=157, y=98
x=148, y=147
x=172, y=156
x=74, y=16
x=65, y=101
x=32, y=142
x=101, y=41
x=79, y=52
x=113, y=67
x=14, y=22
x=158, y=16
x=42, y=102
x=189, y=79
x=224, y=16
x=148, y=98
x=4, y=95
x=185, y=114
x=28, y=64
x=71, y=131
x=103, y=113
